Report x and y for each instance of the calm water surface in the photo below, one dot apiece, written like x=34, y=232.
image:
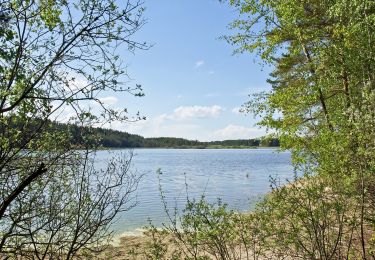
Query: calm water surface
x=238, y=176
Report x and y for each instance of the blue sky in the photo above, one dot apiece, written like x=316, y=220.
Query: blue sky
x=193, y=84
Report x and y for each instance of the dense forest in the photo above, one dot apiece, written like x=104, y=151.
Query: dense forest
x=109, y=138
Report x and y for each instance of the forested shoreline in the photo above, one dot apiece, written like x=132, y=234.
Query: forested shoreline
x=108, y=138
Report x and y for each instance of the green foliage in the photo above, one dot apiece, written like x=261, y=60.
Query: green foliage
x=157, y=245
x=50, y=12
x=310, y=218
x=55, y=56
x=321, y=104
x=208, y=227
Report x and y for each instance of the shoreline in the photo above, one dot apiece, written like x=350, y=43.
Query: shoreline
x=190, y=148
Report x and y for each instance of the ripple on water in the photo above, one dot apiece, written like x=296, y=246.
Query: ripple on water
x=238, y=177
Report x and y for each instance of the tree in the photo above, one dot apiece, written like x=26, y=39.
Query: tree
x=323, y=87
x=56, y=55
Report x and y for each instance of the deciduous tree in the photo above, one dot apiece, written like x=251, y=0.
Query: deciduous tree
x=322, y=99
x=56, y=55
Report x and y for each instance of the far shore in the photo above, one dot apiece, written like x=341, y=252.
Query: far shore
x=196, y=148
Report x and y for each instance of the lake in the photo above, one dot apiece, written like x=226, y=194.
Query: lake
x=239, y=177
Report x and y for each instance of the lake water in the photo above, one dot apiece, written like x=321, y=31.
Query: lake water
x=238, y=177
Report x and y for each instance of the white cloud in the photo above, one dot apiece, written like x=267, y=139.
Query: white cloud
x=185, y=112
x=158, y=127
x=199, y=63
x=79, y=83
x=138, y=127
x=237, y=132
x=166, y=125
x=175, y=124
x=62, y=113
x=188, y=131
x=161, y=118
x=211, y=72
x=75, y=82
x=237, y=110
x=110, y=100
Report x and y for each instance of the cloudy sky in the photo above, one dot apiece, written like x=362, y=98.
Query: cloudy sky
x=193, y=84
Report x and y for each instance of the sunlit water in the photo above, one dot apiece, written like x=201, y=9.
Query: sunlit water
x=239, y=177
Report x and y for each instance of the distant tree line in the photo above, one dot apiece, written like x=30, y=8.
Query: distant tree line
x=117, y=139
